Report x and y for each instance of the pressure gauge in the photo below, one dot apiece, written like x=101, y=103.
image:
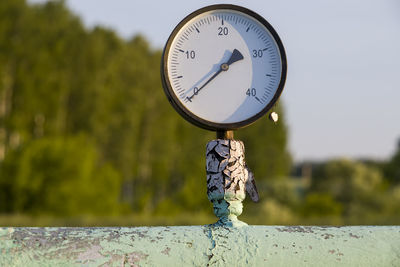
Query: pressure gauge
x=223, y=67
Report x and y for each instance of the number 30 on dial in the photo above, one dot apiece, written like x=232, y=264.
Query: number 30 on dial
x=223, y=67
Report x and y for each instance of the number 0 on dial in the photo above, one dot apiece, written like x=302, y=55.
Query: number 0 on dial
x=223, y=67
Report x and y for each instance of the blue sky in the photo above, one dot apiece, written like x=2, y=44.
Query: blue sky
x=342, y=95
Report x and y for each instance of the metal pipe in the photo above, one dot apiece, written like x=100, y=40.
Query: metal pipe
x=225, y=135
x=202, y=246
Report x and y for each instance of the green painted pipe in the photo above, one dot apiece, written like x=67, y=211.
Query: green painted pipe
x=202, y=246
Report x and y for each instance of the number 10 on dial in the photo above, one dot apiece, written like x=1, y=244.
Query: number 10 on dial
x=223, y=67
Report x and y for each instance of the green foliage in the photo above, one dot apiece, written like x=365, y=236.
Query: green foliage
x=83, y=116
x=346, y=180
x=392, y=168
x=60, y=176
x=86, y=130
x=321, y=204
x=357, y=187
x=266, y=145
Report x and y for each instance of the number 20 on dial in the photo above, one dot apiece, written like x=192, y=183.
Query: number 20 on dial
x=223, y=67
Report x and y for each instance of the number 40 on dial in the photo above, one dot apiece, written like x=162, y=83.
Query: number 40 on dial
x=223, y=67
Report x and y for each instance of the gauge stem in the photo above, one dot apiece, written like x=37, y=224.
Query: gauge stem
x=225, y=135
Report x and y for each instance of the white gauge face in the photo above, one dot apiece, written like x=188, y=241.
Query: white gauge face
x=224, y=67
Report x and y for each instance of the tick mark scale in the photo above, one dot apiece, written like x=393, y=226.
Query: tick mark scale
x=223, y=67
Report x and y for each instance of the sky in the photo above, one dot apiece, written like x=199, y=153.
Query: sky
x=342, y=92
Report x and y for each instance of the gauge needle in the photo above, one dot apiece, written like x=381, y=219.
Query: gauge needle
x=236, y=56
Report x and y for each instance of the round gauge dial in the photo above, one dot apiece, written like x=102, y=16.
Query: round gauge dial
x=223, y=67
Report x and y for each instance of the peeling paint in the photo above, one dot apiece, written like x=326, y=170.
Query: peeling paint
x=327, y=236
x=296, y=229
x=201, y=246
x=228, y=180
x=166, y=251
x=91, y=254
x=354, y=236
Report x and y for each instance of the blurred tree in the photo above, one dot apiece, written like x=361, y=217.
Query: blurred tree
x=60, y=81
x=320, y=204
x=37, y=69
x=392, y=167
x=266, y=147
x=60, y=176
x=348, y=182
x=12, y=14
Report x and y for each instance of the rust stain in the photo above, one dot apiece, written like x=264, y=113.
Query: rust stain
x=327, y=236
x=296, y=229
x=337, y=252
x=354, y=236
x=166, y=251
x=133, y=258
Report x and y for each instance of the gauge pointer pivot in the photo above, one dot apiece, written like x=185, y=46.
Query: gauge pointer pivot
x=236, y=56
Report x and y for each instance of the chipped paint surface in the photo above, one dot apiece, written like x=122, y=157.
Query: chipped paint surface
x=228, y=180
x=201, y=246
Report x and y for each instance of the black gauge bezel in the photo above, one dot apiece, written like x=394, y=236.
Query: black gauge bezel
x=187, y=114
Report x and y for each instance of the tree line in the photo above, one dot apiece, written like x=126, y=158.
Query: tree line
x=85, y=127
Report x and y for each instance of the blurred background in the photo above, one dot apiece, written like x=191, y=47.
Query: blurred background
x=88, y=138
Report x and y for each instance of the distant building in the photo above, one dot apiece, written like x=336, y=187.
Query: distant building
x=304, y=169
